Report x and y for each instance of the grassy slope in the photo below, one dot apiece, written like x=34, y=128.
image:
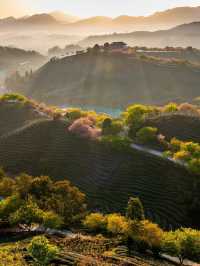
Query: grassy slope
x=113, y=80
x=107, y=177
x=183, y=127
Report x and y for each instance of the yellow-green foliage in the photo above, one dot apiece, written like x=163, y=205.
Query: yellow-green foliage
x=182, y=155
x=136, y=113
x=10, y=256
x=42, y=251
x=175, y=145
x=183, y=243
x=51, y=220
x=135, y=116
x=74, y=113
x=152, y=234
x=112, y=223
x=13, y=97
x=170, y=107
x=117, y=224
x=147, y=134
x=146, y=234
x=27, y=213
x=112, y=126
x=95, y=222
x=9, y=205
x=116, y=142
x=187, y=152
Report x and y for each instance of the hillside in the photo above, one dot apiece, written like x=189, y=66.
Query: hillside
x=11, y=55
x=183, y=127
x=112, y=80
x=188, y=54
x=14, y=59
x=43, y=146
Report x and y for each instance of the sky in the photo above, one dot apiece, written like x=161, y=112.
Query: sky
x=87, y=8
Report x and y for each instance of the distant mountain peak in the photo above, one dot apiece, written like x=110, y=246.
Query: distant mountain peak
x=42, y=18
x=63, y=17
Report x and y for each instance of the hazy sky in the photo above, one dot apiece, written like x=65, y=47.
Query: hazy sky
x=86, y=8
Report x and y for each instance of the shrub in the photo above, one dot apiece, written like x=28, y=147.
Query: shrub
x=188, y=153
x=40, y=200
x=194, y=165
x=188, y=109
x=175, y=144
x=152, y=235
x=6, y=186
x=117, y=224
x=42, y=251
x=183, y=243
x=9, y=205
x=135, y=210
x=68, y=202
x=182, y=155
x=13, y=97
x=170, y=107
x=10, y=256
x=146, y=235
x=41, y=187
x=147, y=135
x=51, y=220
x=28, y=213
x=135, y=116
x=84, y=127
x=193, y=148
x=112, y=127
x=117, y=142
x=73, y=114
x=95, y=222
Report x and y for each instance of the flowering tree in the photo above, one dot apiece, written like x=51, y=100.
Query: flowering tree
x=85, y=127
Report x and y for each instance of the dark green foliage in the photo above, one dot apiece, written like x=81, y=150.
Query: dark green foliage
x=135, y=210
x=40, y=200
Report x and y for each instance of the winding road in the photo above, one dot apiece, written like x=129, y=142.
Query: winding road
x=155, y=153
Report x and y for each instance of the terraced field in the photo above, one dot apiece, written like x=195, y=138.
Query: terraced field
x=181, y=126
x=108, y=177
x=14, y=115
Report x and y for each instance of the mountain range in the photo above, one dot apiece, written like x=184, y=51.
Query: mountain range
x=101, y=24
x=183, y=35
